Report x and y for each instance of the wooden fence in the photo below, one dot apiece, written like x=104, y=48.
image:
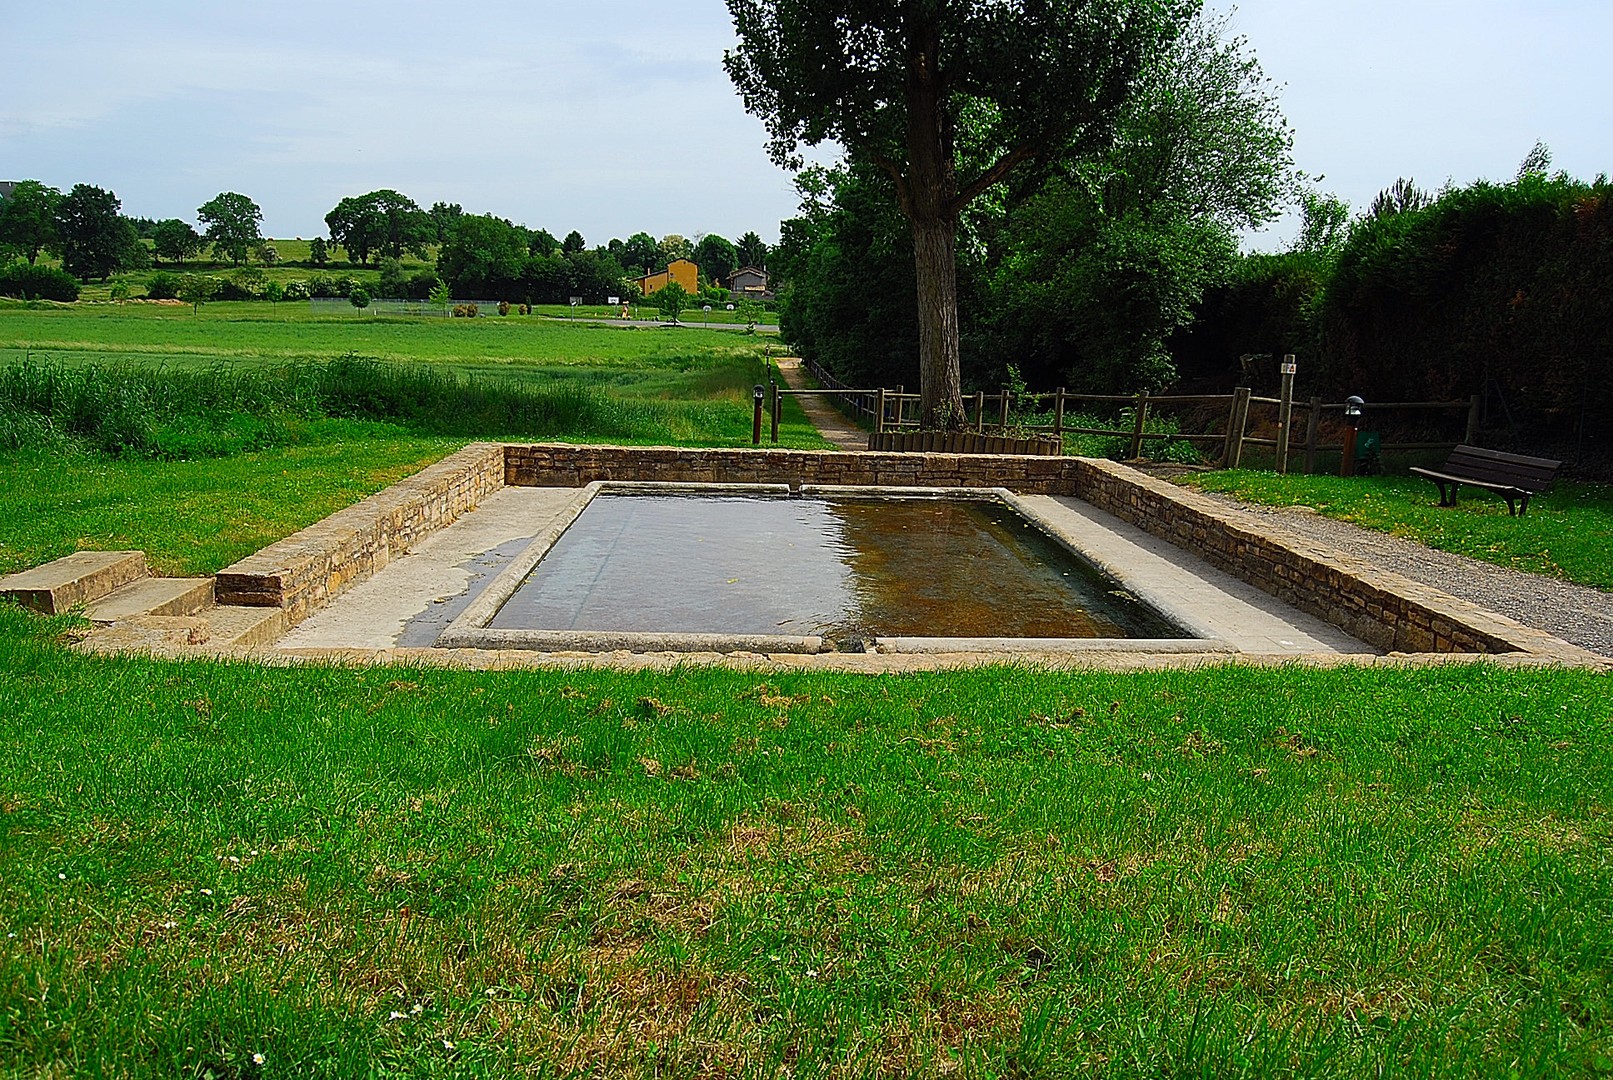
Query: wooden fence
x=896, y=410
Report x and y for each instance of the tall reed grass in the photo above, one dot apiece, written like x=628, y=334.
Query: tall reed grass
x=128, y=411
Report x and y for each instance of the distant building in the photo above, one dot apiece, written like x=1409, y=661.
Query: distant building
x=6, y=188
x=749, y=283
x=682, y=271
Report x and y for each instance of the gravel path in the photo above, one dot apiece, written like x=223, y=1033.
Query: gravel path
x=830, y=421
x=1575, y=613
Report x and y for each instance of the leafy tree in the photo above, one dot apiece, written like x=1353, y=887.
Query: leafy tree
x=274, y=292
x=359, y=298
x=318, y=251
x=716, y=258
x=393, y=282
x=175, y=241
x=673, y=247
x=542, y=242
x=671, y=301
x=484, y=256
x=230, y=222
x=892, y=82
x=1324, y=225
x=268, y=254
x=443, y=215
x=382, y=222
x=28, y=219
x=93, y=237
x=751, y=251
x=441, y=296
x=1404, y=197
x=573, y=243
x=197, y=290
x=640, y=253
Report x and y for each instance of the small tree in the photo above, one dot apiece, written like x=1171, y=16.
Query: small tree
x=750, y=313
x=671, y=301
x=318, y=251
x=28, y=219
x=441, y=296
x=274, y=292
x=197, y=290
x=359, y=298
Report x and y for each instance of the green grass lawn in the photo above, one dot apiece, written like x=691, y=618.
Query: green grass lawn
x=999, y=872
x=1565, y=533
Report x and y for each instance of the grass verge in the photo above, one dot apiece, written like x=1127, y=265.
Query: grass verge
x=1563, y=535
x=1001, y=872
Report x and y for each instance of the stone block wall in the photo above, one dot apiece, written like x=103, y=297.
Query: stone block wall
x=305, y=570
x=554, y=465
x=1384, y=609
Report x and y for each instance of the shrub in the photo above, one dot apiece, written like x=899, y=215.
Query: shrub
x=28, y=282
x=421, y=285
x=162, y=287
x=503, y=307
x=322, y=287
x=296, y=290
x=465, y=311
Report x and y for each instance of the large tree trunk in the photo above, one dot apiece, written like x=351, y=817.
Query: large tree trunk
x=931, y=187
x=940, y=378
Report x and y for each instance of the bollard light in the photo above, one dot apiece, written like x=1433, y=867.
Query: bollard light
x=756, y=418
x=1352, y=414
x=1352, y=408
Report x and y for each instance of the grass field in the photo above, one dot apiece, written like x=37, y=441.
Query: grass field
x=1565, y=533
x=675, y=386
x=1000, y=872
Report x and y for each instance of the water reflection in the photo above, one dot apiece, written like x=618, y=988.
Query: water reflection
x=844, y=568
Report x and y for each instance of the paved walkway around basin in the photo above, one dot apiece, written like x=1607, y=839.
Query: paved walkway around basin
x=830, y=421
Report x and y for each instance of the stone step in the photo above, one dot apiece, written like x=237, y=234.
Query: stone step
x=235, y=627
x=153, y=596
x=80, y=578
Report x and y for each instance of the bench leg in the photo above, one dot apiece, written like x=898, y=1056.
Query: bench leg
x=1447, y=498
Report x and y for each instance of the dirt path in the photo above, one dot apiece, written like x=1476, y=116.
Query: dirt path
x=830, y=421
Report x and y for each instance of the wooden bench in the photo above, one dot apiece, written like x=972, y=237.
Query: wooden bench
x=1512, y=476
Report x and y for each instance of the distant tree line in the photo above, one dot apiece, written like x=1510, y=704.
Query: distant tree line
x=478, y=256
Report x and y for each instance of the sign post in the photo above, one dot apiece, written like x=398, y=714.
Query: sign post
x=1285, y=413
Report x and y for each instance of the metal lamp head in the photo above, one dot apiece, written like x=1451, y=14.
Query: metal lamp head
x=1352, y=407
x=758, y=393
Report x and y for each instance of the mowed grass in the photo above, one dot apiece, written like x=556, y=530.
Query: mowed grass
x=197, y=517
x=999, y=872
x=263, y=333
x=1564, y=534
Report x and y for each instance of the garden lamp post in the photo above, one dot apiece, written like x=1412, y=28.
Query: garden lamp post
x=756, y=421
x=1352, y=416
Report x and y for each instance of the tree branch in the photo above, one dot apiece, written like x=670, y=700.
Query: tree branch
x=999, y=171
x=904, y=194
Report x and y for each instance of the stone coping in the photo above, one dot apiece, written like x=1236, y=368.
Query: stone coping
x=1386, y=610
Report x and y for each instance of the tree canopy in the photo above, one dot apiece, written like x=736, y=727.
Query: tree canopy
x=93, y=237
x=28, y=219
x=716, y=259
x=230, y=222
x=1041, y=81
x=384, y=222
x=175, y=241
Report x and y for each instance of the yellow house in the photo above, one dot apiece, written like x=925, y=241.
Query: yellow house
x=682, y=271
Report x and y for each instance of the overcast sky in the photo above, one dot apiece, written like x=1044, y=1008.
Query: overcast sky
x=615, y=118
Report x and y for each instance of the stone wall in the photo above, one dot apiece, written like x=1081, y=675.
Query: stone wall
x=302, y=572
x=1391, y=612
x=1384, y=609
x=554, y=465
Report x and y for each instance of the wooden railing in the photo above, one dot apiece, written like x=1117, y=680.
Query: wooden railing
x=896, y=409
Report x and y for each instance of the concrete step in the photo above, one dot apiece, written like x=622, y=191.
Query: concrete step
x=153, y=596
x=235, y=627
x=81, y=578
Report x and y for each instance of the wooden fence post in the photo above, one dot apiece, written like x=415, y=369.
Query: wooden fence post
x=1312, y=427
x=901, y=404
x=1058, y=412
x=1285, y=414
x=777, y=407
x=980, y=411
x=879, y=412
x=1475, y=405
x=1140, y=411
x=1237, y=426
